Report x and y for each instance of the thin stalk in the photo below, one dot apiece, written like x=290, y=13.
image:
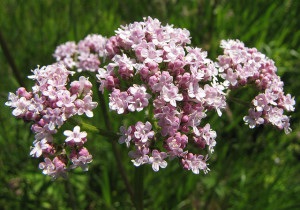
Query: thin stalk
x=11, y=61
x=115, y=149
x=93, y=129
x=236, y=100
x=139, y=187
x=71, y=197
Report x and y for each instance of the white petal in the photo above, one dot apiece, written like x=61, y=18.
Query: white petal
x=68, y=133
x=155, y=167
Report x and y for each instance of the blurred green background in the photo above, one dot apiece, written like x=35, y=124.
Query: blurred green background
x=250, y=169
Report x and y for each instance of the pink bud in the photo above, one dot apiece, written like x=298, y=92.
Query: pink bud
x=185, y=119
x=75, y=87
x=22, y=92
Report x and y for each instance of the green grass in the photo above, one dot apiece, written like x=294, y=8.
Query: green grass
x=251, y=169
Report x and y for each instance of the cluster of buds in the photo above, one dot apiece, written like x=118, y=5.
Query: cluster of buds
x=150, y=68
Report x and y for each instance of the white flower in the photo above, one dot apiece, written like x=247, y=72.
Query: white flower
x=75, y=135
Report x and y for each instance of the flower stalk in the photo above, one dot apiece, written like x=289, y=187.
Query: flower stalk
x=93, y=129
x=139, y=187
x=115, y=149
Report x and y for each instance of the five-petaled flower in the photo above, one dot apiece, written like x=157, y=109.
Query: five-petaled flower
x=75, y=136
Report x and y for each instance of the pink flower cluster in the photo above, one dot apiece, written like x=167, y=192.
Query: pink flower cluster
x=240, y=66
x=85, y=56
x=150, y=68
x=48, y=106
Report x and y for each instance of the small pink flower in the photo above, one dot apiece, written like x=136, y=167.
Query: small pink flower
x=21, y=107
x=276, y=117
x=75, y=136
x=41, y=132
x=83, y=86
x=64, y=99
x=137, y=98
x=151, y=54
x=164, y=79
x=254, y=118
x=48, y=167
x=88, y=62
x=173, y=51
x=170, y=94
x=39, y=147
x=195, y=163
x=157, y=160
x=111, y=46
x=93, y=43
x=195, y=91
x=126, y=66
x=81, y=158
x=117, y=101
x=55, y=168
x=140, y=156
x=64, y=54
x=168, y=120
x=22, y=92
x=195, y=117
x=260, y=102
x=209, y=136
x=214, y=97
x=231, y=77
x=86, y=106
x=126, y=135
x=143, y=132
x=176, y=144
x=67, y=49
x=288, y=102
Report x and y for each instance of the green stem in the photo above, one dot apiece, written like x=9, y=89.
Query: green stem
x=71, y=196
x=11, y=61
x=113, y=136
x=239, y=101
x=139, y=187
x=115, y=149
x=93, y=129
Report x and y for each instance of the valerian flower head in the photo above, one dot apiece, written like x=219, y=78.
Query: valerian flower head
x=247, y=65
x=48, y=106
x=175, y=85
x=148, y=69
